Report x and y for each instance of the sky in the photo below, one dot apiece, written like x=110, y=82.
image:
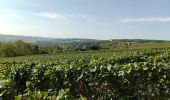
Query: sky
x=96, y=19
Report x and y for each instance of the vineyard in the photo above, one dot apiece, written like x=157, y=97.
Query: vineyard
x=131, y=75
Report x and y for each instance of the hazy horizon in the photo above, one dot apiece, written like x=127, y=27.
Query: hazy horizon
x=94, y=19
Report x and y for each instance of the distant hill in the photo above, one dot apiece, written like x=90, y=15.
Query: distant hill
x=11, y=38
x=45, y=40
x=67, y=41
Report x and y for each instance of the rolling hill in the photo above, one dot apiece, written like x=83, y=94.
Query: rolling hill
x=45, y=40
x=67, y=41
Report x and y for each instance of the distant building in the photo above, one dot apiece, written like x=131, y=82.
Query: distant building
x=129, y=43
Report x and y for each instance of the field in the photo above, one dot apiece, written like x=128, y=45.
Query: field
x=95, y=75
x=84, y=50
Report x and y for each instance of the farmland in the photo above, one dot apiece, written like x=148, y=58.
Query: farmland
x=84, y=50
x=138, y=74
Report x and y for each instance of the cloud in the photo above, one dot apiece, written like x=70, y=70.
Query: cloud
x=63, y=16
x=53, y=15
x=66, y=17
x=146, y=19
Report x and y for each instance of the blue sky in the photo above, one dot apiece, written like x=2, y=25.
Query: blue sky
x=98, y=19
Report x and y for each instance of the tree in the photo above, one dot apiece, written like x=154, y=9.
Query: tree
x=18, y=48
x=7, y=50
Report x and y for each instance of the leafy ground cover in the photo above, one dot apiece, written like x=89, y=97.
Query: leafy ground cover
x=143, y=74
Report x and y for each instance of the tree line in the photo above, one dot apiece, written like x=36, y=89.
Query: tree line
x=18, y=48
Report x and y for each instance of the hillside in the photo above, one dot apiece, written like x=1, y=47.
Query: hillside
x=43, y=40
x=68, y=41
x=7, y=38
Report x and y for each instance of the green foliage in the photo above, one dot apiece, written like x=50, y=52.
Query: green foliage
x=91, y=76
x=7, y=50
x=65, y=95
x=18, y=48
x=51, y=49
x=19, y=97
